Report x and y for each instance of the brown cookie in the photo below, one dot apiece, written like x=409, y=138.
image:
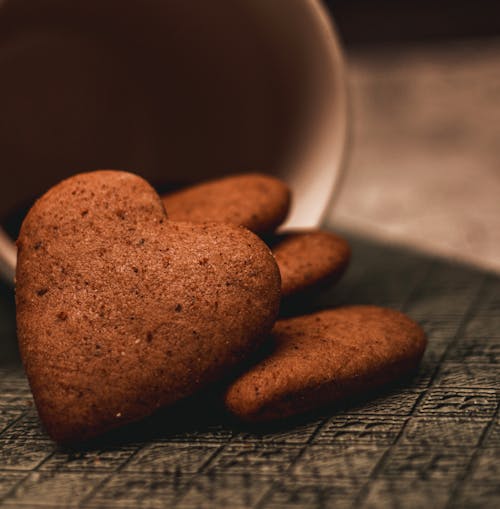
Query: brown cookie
x=325, y=357
x=309, y=259
x=121, y=311
x=258, y=202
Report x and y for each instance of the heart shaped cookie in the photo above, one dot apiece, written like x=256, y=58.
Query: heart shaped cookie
x=121, y=311
x=258, y=202
x=324, y=357
x=309, y=259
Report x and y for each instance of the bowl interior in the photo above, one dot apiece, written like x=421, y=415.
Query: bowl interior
x=175, y=91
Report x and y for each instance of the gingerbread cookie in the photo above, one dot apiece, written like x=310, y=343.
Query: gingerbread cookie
x=258, y=202
x=121, y=311
x=325, y=357
x=310, y=259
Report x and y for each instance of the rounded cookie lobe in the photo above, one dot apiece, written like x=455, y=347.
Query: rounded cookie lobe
x=258, y=202
x=309, y=259
x=121, y=311
x=325, y=357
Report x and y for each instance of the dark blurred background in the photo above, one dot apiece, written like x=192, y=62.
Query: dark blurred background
x=392, y=21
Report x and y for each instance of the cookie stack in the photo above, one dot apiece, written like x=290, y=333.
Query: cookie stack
x=128, y=302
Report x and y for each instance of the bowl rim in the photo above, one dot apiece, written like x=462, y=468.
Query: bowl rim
x=339, y=137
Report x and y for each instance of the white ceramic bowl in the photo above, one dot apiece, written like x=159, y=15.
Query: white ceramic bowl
x=176, y=91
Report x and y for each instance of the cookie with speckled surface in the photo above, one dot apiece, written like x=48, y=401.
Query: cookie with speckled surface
x=121, y=311
x=325, y=357
x=309, y=260
x=258, y=202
